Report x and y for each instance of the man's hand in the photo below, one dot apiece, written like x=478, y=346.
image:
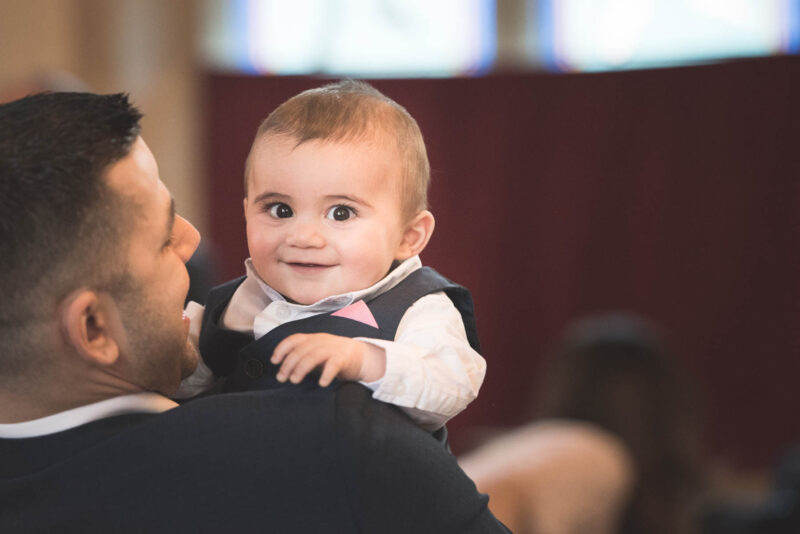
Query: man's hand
x=342, y=357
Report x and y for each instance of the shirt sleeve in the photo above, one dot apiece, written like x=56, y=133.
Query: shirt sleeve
x=432, y=372
x=203, y=378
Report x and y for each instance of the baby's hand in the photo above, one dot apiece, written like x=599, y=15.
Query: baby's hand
x=339, y=356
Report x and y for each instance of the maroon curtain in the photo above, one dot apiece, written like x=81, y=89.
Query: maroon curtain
x=673, y=193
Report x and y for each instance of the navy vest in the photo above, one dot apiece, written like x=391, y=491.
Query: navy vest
x=245, y=361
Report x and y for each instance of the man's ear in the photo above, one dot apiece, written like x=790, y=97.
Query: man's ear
x=416, y=235
x=88, y=324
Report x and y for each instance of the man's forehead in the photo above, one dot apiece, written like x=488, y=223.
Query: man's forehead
x=135, y=177
x=135, y=173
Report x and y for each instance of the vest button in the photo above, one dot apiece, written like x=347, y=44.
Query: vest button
x=253, y=368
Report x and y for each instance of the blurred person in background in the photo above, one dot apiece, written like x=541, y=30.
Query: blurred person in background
x=615, y=445
x=775, y=511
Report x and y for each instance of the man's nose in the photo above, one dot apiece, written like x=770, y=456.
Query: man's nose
x=186, y=237
x=306, y=234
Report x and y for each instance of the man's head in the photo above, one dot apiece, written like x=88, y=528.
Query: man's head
x=336, y=192
x=81, y=206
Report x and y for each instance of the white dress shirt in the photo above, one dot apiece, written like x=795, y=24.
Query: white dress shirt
x=432, y=372
x=145, y=402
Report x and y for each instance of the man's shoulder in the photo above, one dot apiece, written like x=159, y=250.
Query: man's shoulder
x=273, y=453
x=298, y=460
x=265, y=428
x=343, y=401
x=344, y=413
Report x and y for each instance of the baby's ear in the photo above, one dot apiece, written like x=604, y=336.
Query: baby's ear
x=417, y=233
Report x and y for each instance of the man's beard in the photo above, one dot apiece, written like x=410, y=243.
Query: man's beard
x=164, y=356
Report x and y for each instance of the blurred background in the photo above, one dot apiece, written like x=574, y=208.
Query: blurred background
x=588, y=156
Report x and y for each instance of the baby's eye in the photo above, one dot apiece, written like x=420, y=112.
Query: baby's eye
x=280, y=210
x=340, y=213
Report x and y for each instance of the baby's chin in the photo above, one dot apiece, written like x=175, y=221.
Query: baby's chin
x=292, y=300
x=307, y=299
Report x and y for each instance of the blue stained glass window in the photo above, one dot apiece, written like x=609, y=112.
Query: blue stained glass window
x=367, y=38
x=593, y=35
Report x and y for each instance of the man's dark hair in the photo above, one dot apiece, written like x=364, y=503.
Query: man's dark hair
x=61, y=226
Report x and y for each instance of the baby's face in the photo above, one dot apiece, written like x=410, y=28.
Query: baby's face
x=323, y=218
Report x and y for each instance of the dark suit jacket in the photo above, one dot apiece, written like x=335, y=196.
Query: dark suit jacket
x=291, y=460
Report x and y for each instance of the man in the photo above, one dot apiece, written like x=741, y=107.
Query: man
x=93, y=339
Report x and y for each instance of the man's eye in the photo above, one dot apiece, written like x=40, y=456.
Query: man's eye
x=280, y=210
x=340, y=213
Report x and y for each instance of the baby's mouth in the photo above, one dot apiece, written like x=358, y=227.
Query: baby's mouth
x=303, y=267
x=307, y=265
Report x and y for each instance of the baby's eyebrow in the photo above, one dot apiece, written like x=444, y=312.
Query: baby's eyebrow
x=269, y=195
x=349, y=198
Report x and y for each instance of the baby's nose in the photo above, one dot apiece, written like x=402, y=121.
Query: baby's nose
x=306, y=234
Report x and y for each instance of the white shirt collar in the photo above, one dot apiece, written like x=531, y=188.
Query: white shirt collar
x=146, y=402
x=335, y=302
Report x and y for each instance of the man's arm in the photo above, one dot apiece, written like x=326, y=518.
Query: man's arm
x=398, y=477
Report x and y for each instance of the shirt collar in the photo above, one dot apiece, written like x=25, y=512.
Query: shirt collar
x=335, y=302
x=146, y=402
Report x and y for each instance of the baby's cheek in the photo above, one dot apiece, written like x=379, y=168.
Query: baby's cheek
x=261, y=246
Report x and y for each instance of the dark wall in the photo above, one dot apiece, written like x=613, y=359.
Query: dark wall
x=674, y=193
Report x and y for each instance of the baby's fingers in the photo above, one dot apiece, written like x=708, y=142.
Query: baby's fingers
x=329, y=372
x=291, y=360
x=305, y=365
x=285, y=347
x=292, y=368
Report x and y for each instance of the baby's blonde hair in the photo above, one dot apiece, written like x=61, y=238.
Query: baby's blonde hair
x=352, y=110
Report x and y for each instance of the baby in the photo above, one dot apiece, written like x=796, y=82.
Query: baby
x=336, y=209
